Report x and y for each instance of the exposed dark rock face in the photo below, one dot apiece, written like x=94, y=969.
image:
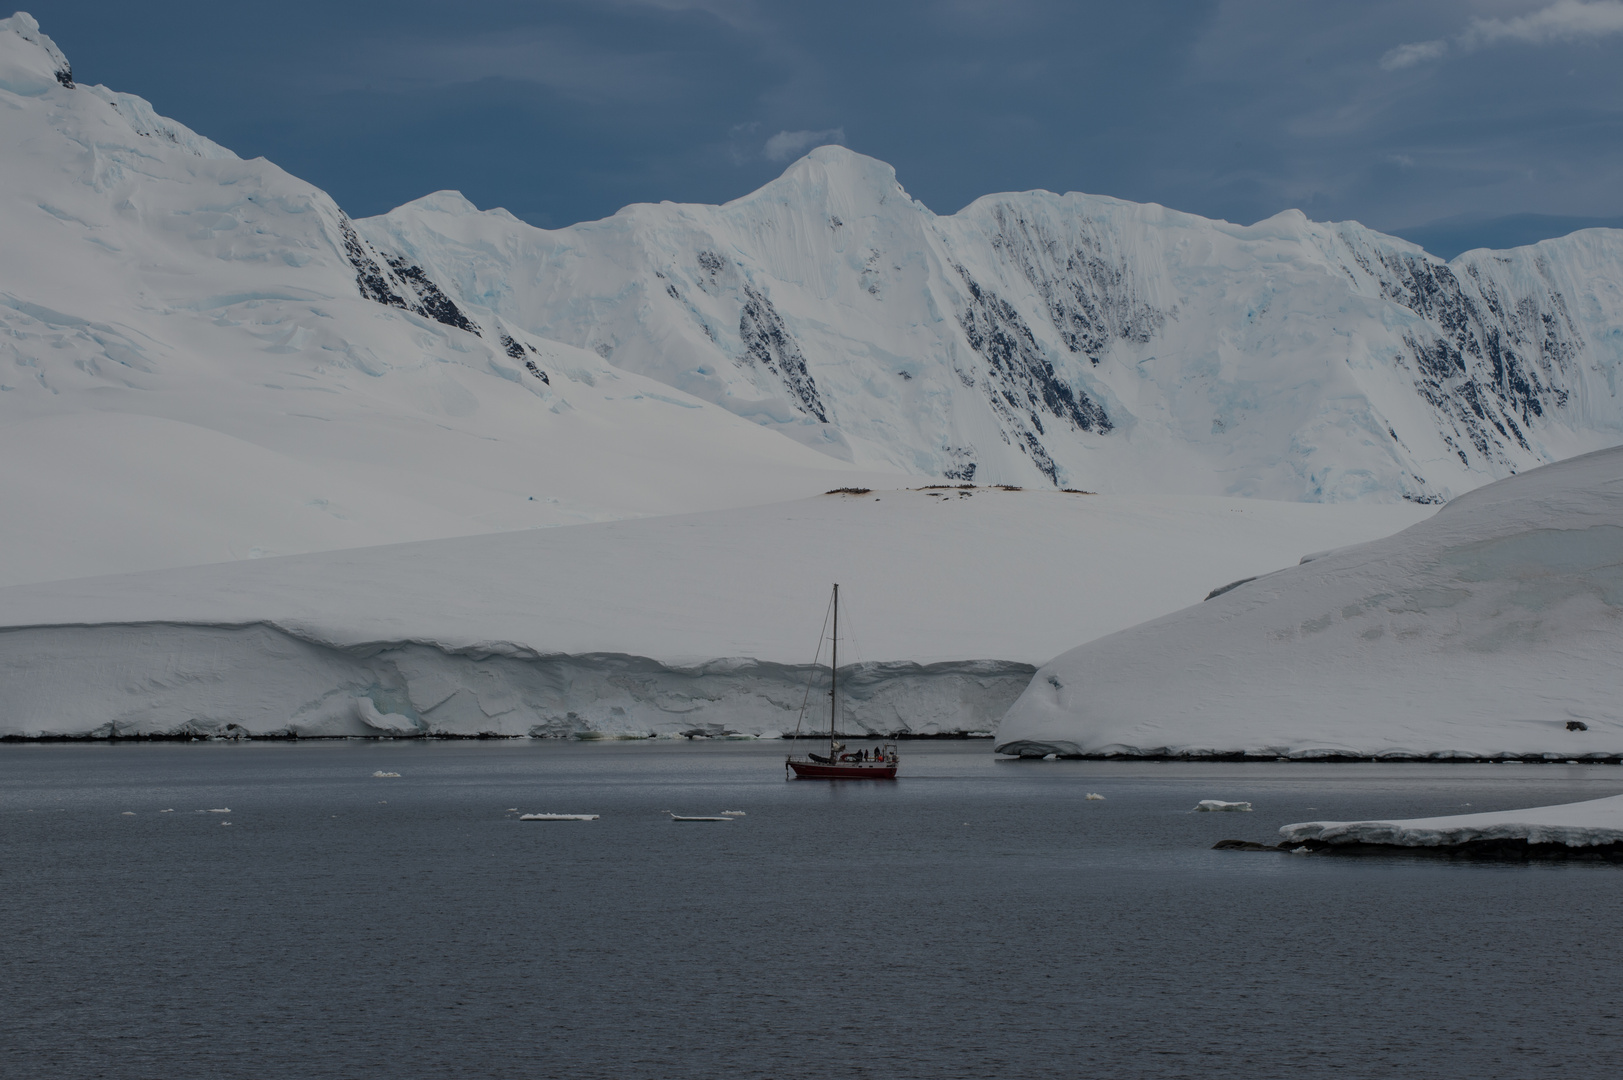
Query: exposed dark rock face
x=1090, y=293
x=767, y=343
x=64, y=75
x=393, y=281
x=512, y=348
x=431, y=302
x=1021, y=384
x=1493, y=364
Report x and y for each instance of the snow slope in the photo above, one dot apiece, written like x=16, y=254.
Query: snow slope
x=652, y=625
x=200, y=360
x=1071, y=339
x=1580, y=824
x=1491, y=629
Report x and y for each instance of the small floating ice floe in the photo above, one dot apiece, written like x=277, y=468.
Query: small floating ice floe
x=1218, y=805
x=558, y=817
x=219, y=810
x=225, y=823
x=171, y=810
x=128, y=813
x=732, y=813
x=696, y=817
x=380, y=772
x=1094, y=796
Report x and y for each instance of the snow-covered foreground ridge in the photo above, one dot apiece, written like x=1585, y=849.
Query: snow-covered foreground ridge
x=1582, y=824
x=1492, y=629
x=657, y=625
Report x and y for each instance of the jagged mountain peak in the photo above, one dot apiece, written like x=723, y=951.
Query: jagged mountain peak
x=30, y=62
x=1075, y=339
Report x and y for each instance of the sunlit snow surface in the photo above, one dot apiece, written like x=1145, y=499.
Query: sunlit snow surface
x=1075, y=339
x=190, y=373
x=702, y=621
x=1493, y=628
x=202, y=358
x=1581, y=824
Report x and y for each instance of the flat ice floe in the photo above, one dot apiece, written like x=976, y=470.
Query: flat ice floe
x=1491, y=630
x=1581, y=824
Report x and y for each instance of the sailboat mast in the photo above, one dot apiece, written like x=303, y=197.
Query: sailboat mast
x=834, y=675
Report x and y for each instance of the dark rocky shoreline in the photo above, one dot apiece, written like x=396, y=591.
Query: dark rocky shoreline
x=1486, y=850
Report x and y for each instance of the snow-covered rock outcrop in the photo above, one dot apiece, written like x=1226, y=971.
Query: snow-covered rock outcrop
x=1492, y=629
x=656, y=625
x=1072, y=340
x=1594, y=823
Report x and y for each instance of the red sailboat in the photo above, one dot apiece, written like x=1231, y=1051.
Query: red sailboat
x=841, y=762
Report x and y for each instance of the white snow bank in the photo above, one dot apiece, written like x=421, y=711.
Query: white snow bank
x=1580, y=824
x=621, y=628
x=1490, y=630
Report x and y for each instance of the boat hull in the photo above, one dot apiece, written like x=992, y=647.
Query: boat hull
x=811, y=770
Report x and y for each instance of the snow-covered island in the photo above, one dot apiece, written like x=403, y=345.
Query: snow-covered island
x=1491, y=630
x=1593, y=828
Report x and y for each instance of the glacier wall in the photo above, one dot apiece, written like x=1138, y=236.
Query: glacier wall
x=169, y=679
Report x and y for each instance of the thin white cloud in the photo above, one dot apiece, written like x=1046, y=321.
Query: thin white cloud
x=1561, y=22
x=787, y=144
x=1564, y=20
x=1416, y=52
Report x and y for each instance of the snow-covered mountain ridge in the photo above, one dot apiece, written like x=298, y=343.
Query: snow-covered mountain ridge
x=201, y=360
x=1071, y=339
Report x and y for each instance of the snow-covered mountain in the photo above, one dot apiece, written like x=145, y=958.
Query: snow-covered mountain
x=1491, y=629
x=1071, y=339
x=665, y=624
x=201, y=360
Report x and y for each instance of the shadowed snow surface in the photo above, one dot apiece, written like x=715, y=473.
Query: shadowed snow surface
x=950, y=597
x=1492, y=628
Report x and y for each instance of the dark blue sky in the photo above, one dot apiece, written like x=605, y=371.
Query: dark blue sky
x=1396, y=113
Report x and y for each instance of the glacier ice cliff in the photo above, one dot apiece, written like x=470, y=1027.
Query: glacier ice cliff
x=264, y=680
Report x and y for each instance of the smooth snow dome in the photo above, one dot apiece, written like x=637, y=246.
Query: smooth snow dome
x=1580, y=824
x=646, y=626
x=1493, y=628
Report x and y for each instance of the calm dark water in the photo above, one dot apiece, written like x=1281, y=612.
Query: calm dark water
x=975, y=919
